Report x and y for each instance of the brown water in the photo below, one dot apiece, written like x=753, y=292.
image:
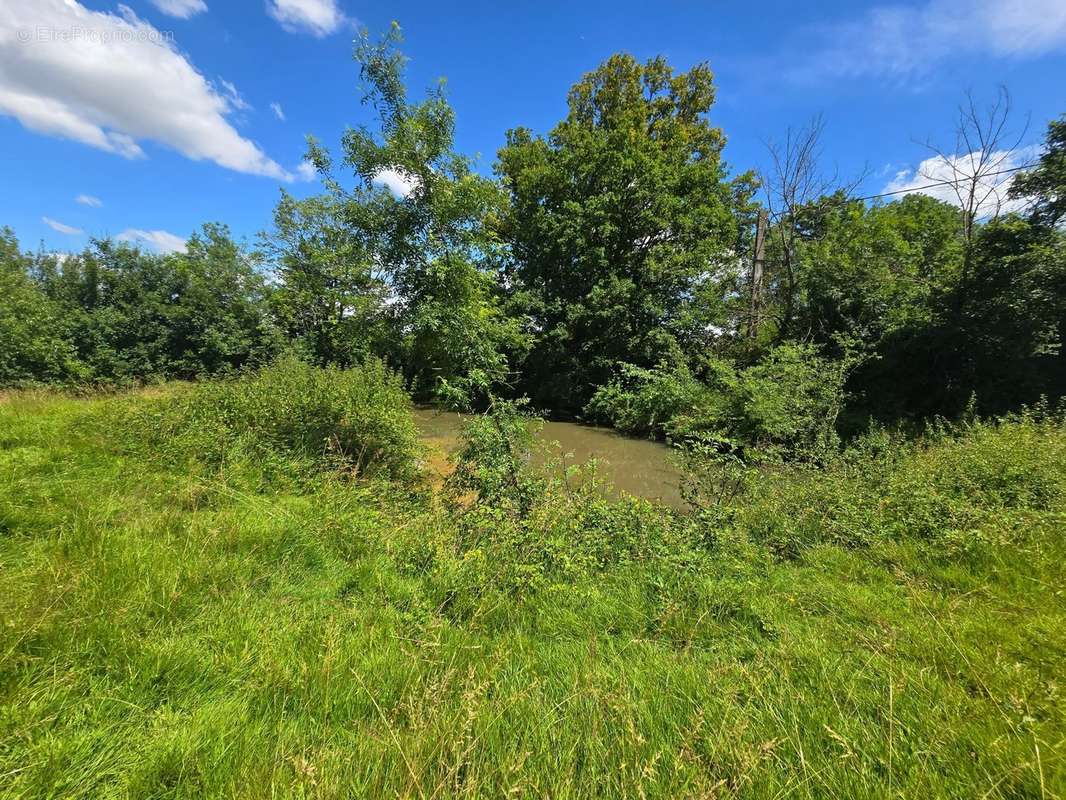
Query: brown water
x=634, y=466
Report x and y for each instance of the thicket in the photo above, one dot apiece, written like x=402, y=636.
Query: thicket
x=786, y=405
x=355, y=421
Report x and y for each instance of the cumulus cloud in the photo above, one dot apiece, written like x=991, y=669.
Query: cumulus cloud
x=939, y=177
x=88, y=200
x=160, y=241
x=111, y=81
x=278, y=112
x=895, y=39
x=317, y=17
x=182, y=9
x=398, y=182
x=70, y=230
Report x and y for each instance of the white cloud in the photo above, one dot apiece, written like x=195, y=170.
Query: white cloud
x=398, y=182
x=160, y=241
x=317, y=17
x=233, y=97
x=903, y=39
x=991, y=191
x=306, y=171
x=60, y=227
x=88, y=200
x=182, y=9
x=278, y=112
x=111, y=81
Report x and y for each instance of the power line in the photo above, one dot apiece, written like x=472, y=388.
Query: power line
x=942, y=183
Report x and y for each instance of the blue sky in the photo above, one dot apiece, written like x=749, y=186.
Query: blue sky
x=163, y=114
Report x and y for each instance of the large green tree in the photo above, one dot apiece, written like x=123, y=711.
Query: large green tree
x=407, y=241
x=620, y=219
x=1046, y=184
x=331, y=297
x=35, y=336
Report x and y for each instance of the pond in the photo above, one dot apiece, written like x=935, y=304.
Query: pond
x=635, y=466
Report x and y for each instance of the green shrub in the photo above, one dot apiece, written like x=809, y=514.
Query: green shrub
x=787, y=404
x=357, y=420
x=567, y=534
x=944, y=493
x=493, y=461
x=651, y=402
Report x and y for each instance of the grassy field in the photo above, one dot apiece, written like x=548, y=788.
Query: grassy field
x=178, y=627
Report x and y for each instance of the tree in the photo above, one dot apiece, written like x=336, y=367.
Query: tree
x=618, y=222
x=134, y=315
x=1015, y=317
x=219, y=318
x=800, y=199
x=332, y=299
x=1046, y=184
x=412, y=233
x=35, y=343
x=871, y=271
x=974, y=166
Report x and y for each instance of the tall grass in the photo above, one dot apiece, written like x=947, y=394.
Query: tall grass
x=356, y=420
x=892, y=627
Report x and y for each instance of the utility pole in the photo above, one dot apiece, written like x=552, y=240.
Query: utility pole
x=756, y=273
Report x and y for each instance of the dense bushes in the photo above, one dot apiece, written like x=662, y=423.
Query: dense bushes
x=117, y=315
x=357, y=420
x=517, y=533
x=34, y=341
x=787, y=404
x=652, y=402
x=952, y=492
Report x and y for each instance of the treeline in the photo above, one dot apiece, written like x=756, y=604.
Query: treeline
x=605, y=273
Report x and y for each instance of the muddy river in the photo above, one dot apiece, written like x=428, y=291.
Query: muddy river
x=635, y=466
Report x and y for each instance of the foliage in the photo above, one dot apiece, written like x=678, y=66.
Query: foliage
x=35, y=343
x=789, y=402
x=960, y=492
x=615, y=222
x=1045, y=185
x=493, y=460
x=651, y=402
x=356, y=420
x=403, y=255
x=786, y=404
x=606, y=273
x=716, y=479
x=114, y=313
x=331, y=301
x=184, y=634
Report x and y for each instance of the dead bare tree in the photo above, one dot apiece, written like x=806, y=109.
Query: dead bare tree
x=793, y=182
x=973, y=169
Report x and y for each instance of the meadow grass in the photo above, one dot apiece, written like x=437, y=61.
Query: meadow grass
x=894, y=627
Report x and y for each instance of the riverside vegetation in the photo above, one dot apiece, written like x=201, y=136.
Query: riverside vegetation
x=226, y=570
x=208, y=593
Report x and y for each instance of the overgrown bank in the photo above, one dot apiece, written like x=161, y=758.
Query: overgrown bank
x=264, y=620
